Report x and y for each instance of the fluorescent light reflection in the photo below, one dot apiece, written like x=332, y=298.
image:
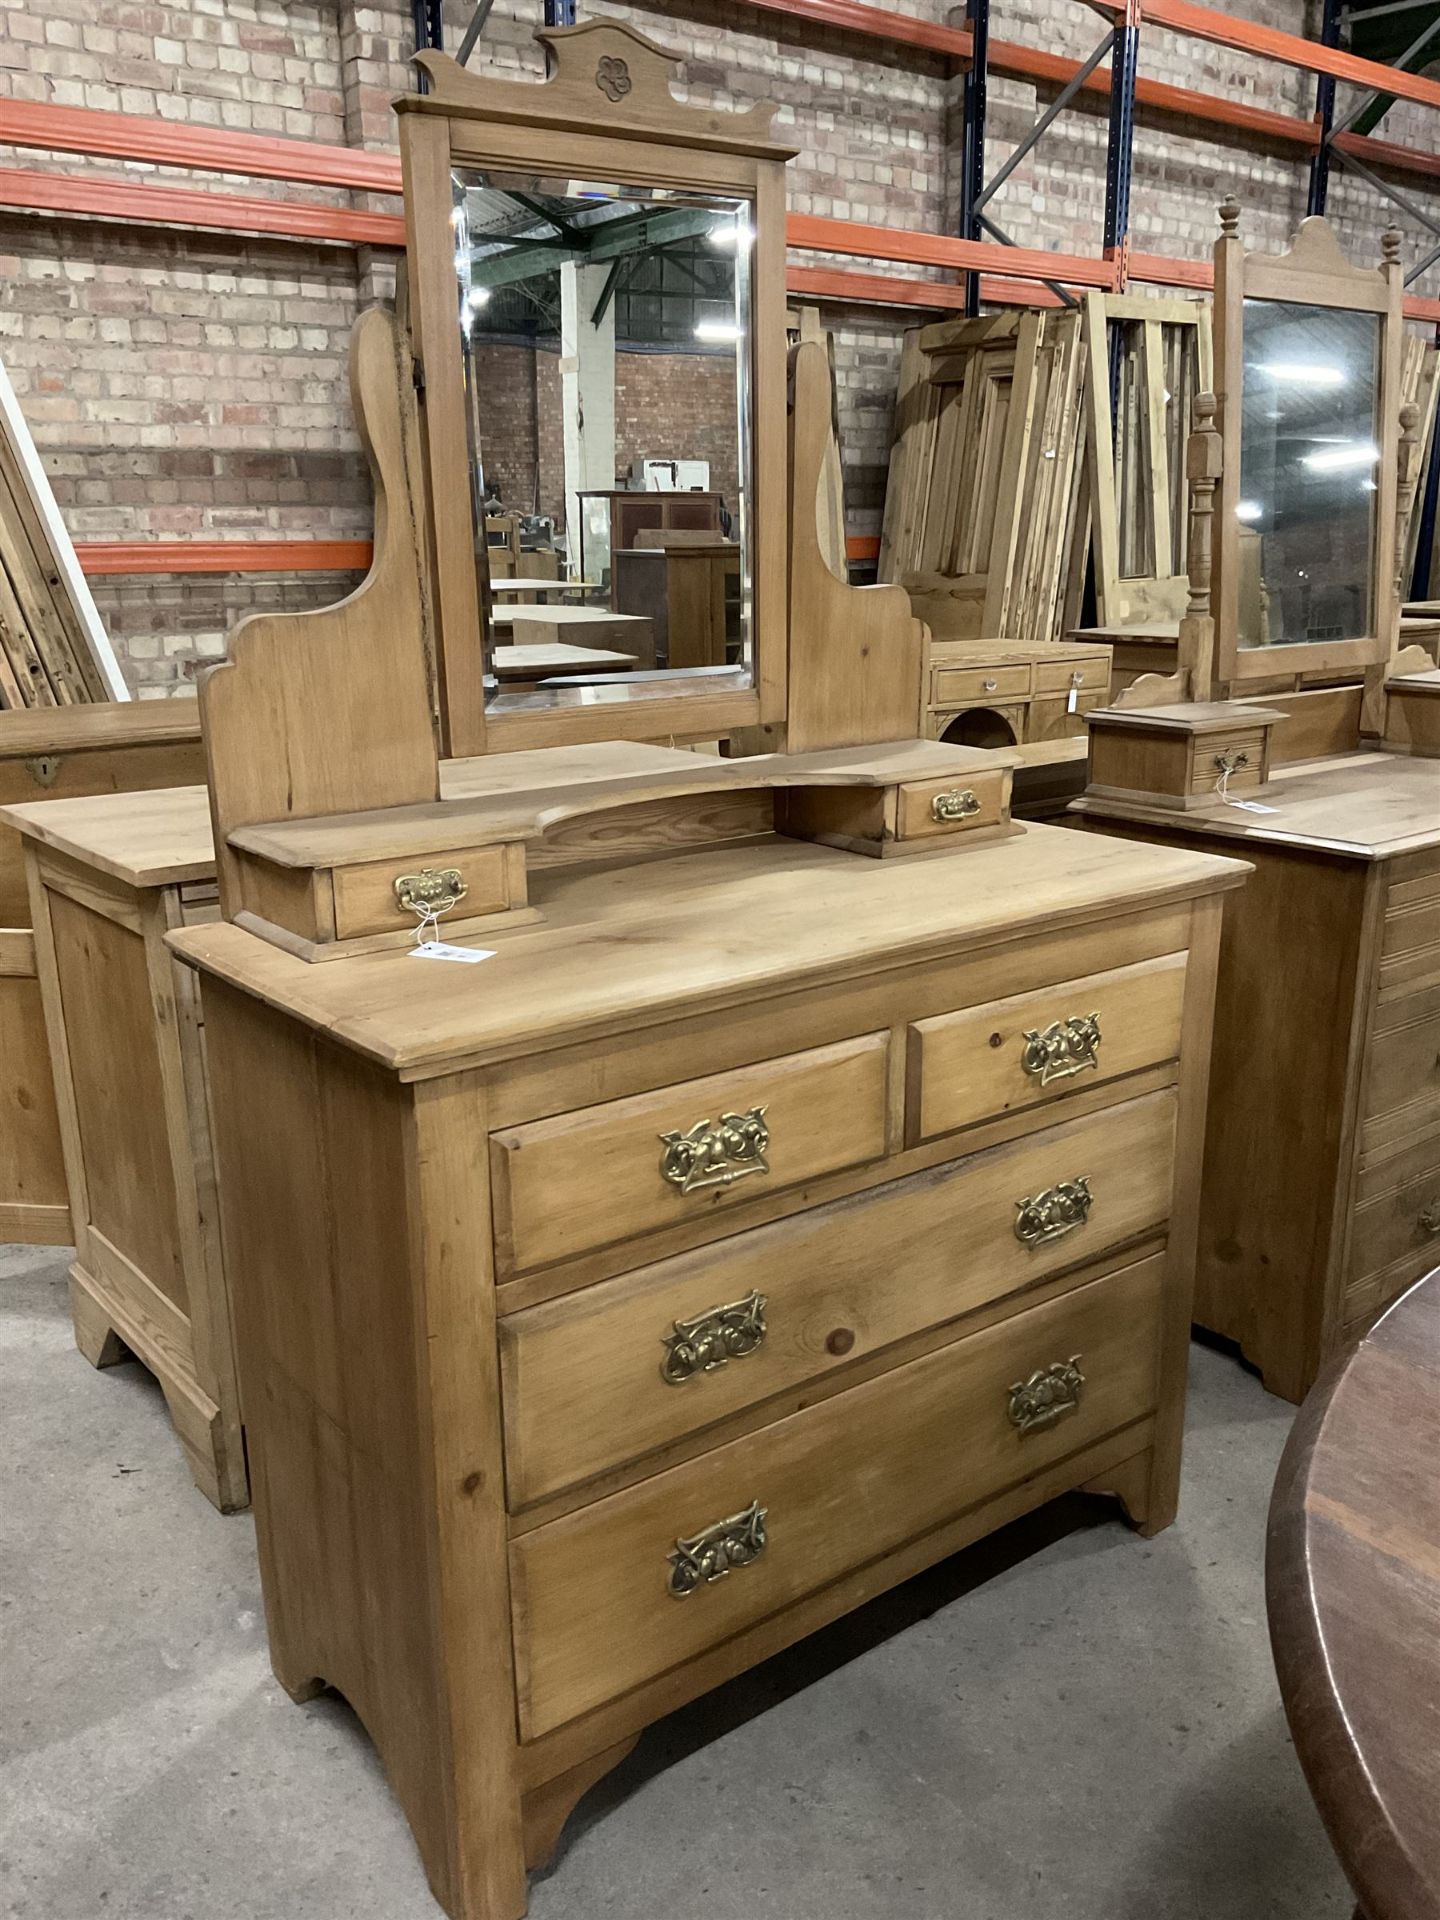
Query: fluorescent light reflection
x=1349, y=456
x=1303, y=373
x=717, y=330
x=1249, y=510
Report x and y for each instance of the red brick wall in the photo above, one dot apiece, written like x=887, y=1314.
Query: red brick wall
x=187, y=384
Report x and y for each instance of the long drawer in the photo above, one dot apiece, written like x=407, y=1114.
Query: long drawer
x=1402, y=1068
x=1031, y=1048
x=626, y=1167
x=612, y=1372
x=1399, y=1210
x=622, y=1590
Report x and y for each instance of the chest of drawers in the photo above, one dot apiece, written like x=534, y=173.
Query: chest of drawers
x=1320, y=1200
x=106, y=748
x=754, y=1229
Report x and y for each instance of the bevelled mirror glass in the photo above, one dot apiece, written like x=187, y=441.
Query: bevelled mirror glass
x=1309, y=460
x=606, y=345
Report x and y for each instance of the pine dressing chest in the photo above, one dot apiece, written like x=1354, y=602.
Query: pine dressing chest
x=1320, y=1199
x=780, y=1170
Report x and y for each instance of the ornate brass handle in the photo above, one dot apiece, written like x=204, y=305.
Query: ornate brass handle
x=1064, y=1048
x=713, y=1338
x=1052, y=1214
x=716, y=1153
x=958, y=804
x=718, y=1550
x=430, y=891
x=1047, y=1396
x=1429, y=1220
x=1231, y=762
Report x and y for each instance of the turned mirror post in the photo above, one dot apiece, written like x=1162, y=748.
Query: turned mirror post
x=568, y=213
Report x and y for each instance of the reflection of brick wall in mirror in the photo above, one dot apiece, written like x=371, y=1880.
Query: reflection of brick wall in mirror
x=668, y=406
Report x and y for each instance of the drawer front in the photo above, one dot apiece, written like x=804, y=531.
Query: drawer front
x=1410, y=943
x=587, y=1179
x=927, y=809
x=979, y=686
x=1033, y=1047
x=367, y=897
x=1403, y=1067
x=1405, y=1220
x=1243, y=753
x=616, y=1370
x=601, y=1599
x=1087, y=676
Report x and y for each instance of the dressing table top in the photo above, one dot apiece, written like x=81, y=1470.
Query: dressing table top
x=621, y=946
x=1369, y=806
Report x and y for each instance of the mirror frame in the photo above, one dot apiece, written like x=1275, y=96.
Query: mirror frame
x=615, y=84
x=1313, y=273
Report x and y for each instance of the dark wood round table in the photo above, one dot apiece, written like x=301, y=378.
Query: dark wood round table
x=1353, y=1591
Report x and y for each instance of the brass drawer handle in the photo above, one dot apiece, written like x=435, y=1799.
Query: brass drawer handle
x=958, y=804
x=1064, y=1048
x=713, y=1338
x=1429, y=1220
x=1231, y=762
x=708, y=1556
x=431, y=891
x=716, y=1153
x=1047, y=1396
x=1052, y=1214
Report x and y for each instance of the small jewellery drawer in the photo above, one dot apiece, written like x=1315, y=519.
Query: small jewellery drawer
x=586, y=1179
x=1033, y=1047
x=1059, y=676
x=385, y=896
x=618, y=1592
x=928, y=808
x=1240, y=754
x=970, y=686
x=616, y=1370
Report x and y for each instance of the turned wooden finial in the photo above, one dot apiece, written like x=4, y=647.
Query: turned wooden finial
x=1390, y=245
x=1229, y=218
x=1407, y=485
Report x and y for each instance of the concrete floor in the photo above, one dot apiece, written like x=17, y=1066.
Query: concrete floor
x=1065, y=1723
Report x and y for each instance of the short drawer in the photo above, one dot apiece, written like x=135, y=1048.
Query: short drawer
x=610, y=1596
x=587, y=1179
x=979, y=686
x=926, y=809
x=462, y=882
x=1241, y=754
x=1087, y=676
x=1055, y=718
x=617, y=1370
x=1034, y=1047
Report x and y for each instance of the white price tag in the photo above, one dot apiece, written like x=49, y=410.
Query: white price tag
x=1074, y=700
x=1251, y=806
x=442, y=950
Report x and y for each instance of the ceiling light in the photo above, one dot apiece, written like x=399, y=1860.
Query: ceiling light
x=1302, y=373
x=1249, y=510
x=720, y=330
x=1349, y=454
x=478, y=297
x=730, y=234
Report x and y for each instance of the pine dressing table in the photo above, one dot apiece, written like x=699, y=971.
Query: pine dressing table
x=785, y=1171
x=1320, y=1200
